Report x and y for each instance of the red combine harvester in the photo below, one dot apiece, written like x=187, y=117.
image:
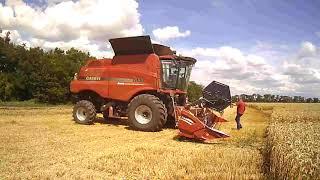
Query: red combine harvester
x=147, y=83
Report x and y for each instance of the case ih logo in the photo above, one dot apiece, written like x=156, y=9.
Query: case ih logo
x=90, y=78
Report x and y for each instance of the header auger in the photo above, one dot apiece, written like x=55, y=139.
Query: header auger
x=147, y=83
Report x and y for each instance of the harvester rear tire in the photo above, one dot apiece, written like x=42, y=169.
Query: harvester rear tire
x=152, y=108
x=84, y=112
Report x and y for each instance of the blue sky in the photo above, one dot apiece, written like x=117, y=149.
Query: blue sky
x=240, y=23
x=254, y=46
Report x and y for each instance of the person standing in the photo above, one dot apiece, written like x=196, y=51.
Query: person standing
x=241, y=107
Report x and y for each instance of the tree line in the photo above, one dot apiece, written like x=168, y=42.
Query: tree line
x=275, y=98
x=32, y=73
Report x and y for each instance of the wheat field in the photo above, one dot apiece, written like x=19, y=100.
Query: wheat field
x=44, y=143
x=292, y=149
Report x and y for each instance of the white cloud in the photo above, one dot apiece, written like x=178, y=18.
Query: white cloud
x=15, y=37
x=307, y=49
x=255, y=60
x=302, y=74
x=303, y=69
x=245, y=73
x=169, y=32
x=251, y=73
x=90, y=23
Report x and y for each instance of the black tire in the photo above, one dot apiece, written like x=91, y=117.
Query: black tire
x=84, y=112
x=158, y=113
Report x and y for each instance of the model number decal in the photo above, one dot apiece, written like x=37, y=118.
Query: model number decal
x=92, y=78
x=122, y=80
x=138, y=80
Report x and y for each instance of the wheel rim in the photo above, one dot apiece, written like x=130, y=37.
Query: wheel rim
x=81, y=114
x=143, y=114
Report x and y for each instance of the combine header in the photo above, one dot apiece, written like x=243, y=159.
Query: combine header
x=197, y=121
x=148, y=83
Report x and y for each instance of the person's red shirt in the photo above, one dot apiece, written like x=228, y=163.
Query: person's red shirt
x=241, y=107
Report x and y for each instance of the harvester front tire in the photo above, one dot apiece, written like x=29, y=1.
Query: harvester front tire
x=147, y=112
x=84, y=112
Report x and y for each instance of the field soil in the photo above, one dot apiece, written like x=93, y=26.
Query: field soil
x=44, y=142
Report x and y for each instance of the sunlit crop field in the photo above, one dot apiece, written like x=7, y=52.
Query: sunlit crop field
x=44, y=142
x=293, y=141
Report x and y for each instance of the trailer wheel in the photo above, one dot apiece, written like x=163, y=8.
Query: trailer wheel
x=147, y=113
x=84, y=112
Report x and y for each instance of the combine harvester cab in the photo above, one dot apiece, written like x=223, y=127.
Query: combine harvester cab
x=198, y=121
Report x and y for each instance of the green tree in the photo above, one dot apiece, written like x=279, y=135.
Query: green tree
x=32, y=73
x=194, y=91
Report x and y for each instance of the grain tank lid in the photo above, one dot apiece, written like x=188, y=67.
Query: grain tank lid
x=189, y=60
x=132, y=45
x=138, y=45
x=162, y=50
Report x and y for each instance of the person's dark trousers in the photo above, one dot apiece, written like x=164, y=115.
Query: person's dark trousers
x=238, y=120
